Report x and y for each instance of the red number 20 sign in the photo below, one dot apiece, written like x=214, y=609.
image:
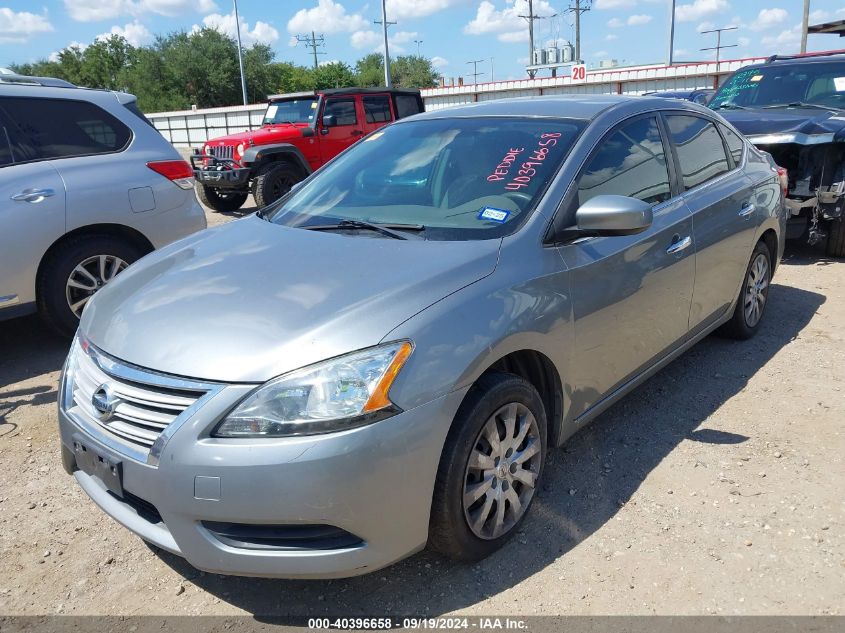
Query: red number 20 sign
x=579, y=73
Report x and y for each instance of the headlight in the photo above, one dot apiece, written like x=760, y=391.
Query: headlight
x=333, y=395
x=240, y=149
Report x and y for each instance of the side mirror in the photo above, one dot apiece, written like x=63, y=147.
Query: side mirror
x=328, y=121
x=613, y=215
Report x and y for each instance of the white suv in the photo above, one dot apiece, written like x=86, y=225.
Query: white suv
x=87, y=186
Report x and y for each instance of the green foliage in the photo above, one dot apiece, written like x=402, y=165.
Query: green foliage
x=201, y=68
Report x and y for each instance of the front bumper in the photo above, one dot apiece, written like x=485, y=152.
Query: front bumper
x=374, y=482
x=219, y=173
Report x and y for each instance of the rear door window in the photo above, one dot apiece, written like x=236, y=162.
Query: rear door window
x=630, y=161
x=377, y=109
x=701, y=153
x=42, y=129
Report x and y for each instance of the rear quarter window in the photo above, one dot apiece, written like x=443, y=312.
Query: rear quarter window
x=42, y=129
x=736, y=145
x=406, y=105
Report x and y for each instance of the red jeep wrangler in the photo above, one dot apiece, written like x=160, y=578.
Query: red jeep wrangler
x=300, y=132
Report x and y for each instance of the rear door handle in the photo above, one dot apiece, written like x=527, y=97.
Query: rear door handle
x=356, y=133
x=678, y=245
x=33, y=196
x=746, y=210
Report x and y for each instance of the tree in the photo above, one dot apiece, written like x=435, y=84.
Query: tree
x=370, y=70
x=413, y=71
x=334, y=75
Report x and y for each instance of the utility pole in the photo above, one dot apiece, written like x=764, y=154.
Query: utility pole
x=719, y=46
x=475, y=73
x=312, y=42
x=578, y=10
x=530, y=18
x=805, y=24
x=418, y=42
x=491, y=69
x=240, y=51
x=670, y=56
x=384, y=24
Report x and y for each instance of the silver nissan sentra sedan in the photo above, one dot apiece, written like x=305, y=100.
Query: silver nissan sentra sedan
x=382, y=359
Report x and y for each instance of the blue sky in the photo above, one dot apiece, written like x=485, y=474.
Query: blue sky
x=451, y=31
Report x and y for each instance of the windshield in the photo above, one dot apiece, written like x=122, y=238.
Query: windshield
x=458, y=178
x=816, y=83
x=302, y=110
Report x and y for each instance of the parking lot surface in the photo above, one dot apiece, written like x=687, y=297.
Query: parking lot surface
x=717, y=487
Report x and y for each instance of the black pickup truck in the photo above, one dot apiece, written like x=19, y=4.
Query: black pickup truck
x=794, y=108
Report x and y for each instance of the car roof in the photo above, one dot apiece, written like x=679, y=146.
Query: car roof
x=344, y=91
x=799, y=60
x=557, y=106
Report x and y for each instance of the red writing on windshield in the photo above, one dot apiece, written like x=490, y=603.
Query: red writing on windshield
x=504, y=167
x=527, y=170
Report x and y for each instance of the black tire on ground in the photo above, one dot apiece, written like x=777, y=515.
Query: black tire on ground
x=224, y=200
x=273, y=181
x=836, y=238
x=449, y=530
x=739, y=326
x=56, y=269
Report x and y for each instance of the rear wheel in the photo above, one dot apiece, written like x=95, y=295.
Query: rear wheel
x=490, y=468
x=221, y=199
x=74, y=271
x=273, y=181
x=753, y=296
x=836, y=238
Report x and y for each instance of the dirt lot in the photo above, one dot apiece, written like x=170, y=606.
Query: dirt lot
x=716, y=488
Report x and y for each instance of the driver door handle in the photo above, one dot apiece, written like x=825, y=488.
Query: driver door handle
x=679, y=245
x=356, y=133
x=747, y=210
x=33, y=195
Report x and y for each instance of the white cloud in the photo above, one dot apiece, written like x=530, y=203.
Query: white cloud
x=18, y=27
x=615, y=23
x=681, y=52
x=705, y=26
x=262, y=32
x=744, y=42
x=601, y=54
x=636, y=20
x=95, y=10
x=439, y=62
x=699, y=9
x=614, y=4
x=403, y=9
x=374, y=39
x=135, y=33
x=363, y=39
x=821, y=16
x=611, y=36
x=54, y=56
x=787, y=41
x=327, y=17
x=506, y=24
x=767, y=18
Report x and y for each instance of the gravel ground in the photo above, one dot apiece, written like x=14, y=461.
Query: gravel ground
x=717, y=487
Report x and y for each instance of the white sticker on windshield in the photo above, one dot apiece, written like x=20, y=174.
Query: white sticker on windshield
x=496, y=215
x=271, y=111
x=839, y=83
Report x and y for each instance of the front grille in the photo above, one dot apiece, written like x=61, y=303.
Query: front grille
x=142, y=507
x=144, y=405
x=282, y=537
x=222, y=151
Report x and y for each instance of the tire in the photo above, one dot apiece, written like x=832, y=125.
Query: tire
x=273, y=181
x=55, y=294
x=488, y=402
x=755, y=285
x=836, y=238
x=223, y=200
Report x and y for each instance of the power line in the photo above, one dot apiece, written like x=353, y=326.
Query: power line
x=719, y=46
x=530, y=19
x=475, y=73
x=313, y=42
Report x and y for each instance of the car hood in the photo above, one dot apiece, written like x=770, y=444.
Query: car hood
x=792, y=122
x=262, y=136
x=250, y=300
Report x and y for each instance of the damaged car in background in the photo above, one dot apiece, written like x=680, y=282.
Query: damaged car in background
x=794, y=109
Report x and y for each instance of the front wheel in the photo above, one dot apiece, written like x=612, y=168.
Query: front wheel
x=273, y=181
x=490, y=468
x=753, y=296
x=221, y=199
x=836, y=238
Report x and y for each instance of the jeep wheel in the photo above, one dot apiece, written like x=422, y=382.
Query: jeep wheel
x=836, y=238
x=221, y=199
x=274, y=181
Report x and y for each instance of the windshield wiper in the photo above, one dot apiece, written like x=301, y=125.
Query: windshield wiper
x=728, y=105
x=801, y=104
x=384, y=229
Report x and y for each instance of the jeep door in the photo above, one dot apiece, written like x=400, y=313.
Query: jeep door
x=720, y=198
x=32, y=213
x=630, y=294
x=377, y=111
x=347, y=125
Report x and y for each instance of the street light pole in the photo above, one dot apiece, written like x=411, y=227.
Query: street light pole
x=240, y=51
x=384, y=25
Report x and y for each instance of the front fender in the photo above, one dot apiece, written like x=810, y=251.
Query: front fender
x=258, y=153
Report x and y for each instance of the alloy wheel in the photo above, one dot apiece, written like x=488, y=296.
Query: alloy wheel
x=502, y=471
x=756, y=289
x=88, y=277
